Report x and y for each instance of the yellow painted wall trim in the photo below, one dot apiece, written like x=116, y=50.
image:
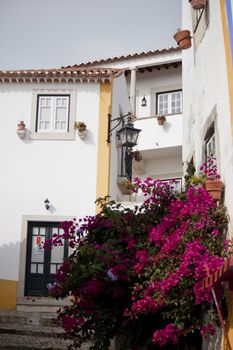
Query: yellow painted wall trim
x=228, y=56
x=8, y=295
x=103, y=160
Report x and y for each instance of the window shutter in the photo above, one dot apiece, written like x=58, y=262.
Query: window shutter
x=44, y=113
x=61, y=112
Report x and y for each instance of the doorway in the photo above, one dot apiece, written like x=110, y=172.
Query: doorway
x=41, y=264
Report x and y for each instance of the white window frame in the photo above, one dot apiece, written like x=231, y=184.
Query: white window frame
x=53, y=134
x=176, y=185
x=169, y=100
x=53, y=122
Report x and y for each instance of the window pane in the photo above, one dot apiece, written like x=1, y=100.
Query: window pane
x=33, y=268
x=57, y=254
x=53, y=268
x=169, y=103
x=61, y=113
x=35, y=231
x=44, y=113
x=37, y=252
x=40, y=268
x=53, y=113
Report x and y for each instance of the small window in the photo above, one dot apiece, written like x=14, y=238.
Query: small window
x=169, y=102
x=210, y=149
x=52, y=113
x=175, y=183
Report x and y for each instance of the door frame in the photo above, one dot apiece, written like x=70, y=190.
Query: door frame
x=23, y=245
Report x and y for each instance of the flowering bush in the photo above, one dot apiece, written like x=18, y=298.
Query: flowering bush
x=209, y=168
x=137, y=273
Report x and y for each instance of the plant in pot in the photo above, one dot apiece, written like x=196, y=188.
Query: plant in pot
x=137, y=156
x=183, y=39
x=82, y=129
x=161, y=119
x=21, y=129
x=212, y=183
x=198, y=4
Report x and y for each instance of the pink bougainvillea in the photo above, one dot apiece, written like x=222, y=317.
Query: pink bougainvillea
x=138, y=272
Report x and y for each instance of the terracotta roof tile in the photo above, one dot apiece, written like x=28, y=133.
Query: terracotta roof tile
x=70, y=74
x=129, y=56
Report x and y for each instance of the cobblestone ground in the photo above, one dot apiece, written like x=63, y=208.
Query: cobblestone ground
x=32, y=342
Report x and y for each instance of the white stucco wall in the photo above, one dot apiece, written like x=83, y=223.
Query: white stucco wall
x=120, y=106
x=153, y=138
x=150, y=83
x=205, y=87
x=33, y=170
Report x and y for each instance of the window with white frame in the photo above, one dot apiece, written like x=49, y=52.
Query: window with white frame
x=169, y=102
x=210, y=148
x=52, y=113
x=175, y=183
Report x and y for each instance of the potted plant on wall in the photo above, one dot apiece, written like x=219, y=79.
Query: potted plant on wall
x=183, y=39
x=82, y=129
x=198, y=4
x=212, y=183
x=21, y=129
x=161, y=119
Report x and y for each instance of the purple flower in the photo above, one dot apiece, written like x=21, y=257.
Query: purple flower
x=111, y=275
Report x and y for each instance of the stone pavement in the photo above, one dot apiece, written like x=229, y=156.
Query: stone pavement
x=10, y=341
x=34, y=331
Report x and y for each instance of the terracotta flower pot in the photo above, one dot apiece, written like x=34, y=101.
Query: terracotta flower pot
x=21, y=129
x=198, y=4
x=21, y=126
x=214, y=187
x=161, y=119
x=183, y=39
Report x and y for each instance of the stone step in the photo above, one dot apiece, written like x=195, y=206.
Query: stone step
x=41, y=331
x=39, y=304
x=26, y=318
x=34, y=337
x=35, y=342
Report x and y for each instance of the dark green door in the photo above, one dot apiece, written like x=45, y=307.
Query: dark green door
x=42, y=265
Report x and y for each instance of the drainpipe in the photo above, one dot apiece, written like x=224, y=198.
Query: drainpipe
x=133, y=90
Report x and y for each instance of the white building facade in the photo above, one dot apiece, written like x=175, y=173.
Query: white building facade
x=207, y=92
x=208, y=105
x=50, y=171
x=154, y=81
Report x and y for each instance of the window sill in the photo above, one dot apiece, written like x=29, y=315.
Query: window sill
x=52, y=136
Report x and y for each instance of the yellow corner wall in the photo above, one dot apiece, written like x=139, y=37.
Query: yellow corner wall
x=8, y=295
x=103, y=162
x=225, y=27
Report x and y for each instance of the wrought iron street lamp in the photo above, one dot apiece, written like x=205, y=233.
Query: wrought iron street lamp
x=128, y=135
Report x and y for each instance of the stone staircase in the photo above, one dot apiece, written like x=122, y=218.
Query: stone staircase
x=33, y=325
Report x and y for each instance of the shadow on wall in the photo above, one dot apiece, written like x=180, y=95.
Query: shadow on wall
x=9, y=261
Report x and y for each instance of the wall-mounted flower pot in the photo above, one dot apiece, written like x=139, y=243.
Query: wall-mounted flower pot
x=183, y=39
x=214, y=188
x=198, y=4
x=124, y=183
x=137, y=156
x=82, y=129
x=21, y=129
x=161, y=119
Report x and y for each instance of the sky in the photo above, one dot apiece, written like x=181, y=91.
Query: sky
x=54, y=33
